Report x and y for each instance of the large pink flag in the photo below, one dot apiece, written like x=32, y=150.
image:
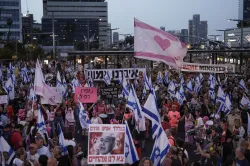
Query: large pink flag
x=154, y=44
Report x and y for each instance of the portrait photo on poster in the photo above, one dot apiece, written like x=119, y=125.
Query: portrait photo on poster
x=106, y=143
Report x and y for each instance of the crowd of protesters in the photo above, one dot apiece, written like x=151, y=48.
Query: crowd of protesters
x=211, y=138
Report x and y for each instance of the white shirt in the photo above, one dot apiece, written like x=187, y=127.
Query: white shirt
x=69, y=142
x=51, y=115
x=18, y=162
x=44, y=151
x=33, y=157
x=200, y=122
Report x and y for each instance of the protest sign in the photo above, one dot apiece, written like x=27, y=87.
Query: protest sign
x=53, y=99
x=3, y=99
x=208, y=68
x=106, y=144
x=109, y=92
x=128, y=73
x=86, y=95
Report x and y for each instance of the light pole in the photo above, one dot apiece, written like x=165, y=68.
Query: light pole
x=241, y=39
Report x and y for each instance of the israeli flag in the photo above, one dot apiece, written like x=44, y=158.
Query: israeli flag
x=59, y=83
x=182, y=81
x=201, y=77
x=221, y=108
x=32, y=95
x=171, y=89
x=90, y=82
x=198, y=85
x=10, y=89
x=179, y=98
x=151, y=112
x=107, y=78
x=165, y=79
x=212, y=92
x=64, y=83
x=228, y=105
x=159, y=78
x=245, y=101
x=190, y=86
x=75, y=83
x=83, y=116
x=144, y=92
x=248, y=124
x=134, y=104
x=41, y=127
x=131, y=155
x=160, y=148
x=243, y=86
x=221, y=97
x=147, y=81
x=62, y=140
x=5, y=147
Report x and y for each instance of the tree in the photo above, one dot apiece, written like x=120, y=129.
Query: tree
x=129, y=39
x=9, y=23
x=245, y=24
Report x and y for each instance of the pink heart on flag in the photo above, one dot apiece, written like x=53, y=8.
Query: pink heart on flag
x=163, y=43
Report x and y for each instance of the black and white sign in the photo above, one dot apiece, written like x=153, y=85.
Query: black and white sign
x=109, y=92
x=128, y=73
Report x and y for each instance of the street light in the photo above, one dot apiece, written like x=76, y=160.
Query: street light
x=241, y=40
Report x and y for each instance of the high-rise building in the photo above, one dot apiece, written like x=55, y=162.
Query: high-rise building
x=109, y=34
x=27, y=23
x=77, y=21
x=190, y=30
x=162, y=28
x=244, y=9
x=115, y=38
x=11, y=12
x=184, y=36
x=203, y=29
x=196, y=28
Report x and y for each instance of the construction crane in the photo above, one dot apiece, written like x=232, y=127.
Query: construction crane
x=27, y=6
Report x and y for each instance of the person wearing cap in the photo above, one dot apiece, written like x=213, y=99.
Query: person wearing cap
x=42, y=150
x=231, y=119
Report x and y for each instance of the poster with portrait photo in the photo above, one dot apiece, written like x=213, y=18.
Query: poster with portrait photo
x=106, y=144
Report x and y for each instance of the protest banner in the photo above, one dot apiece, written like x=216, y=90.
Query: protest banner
x=208, y=68
x=106, y=144
x=3, y=99
x=128, y=73
x=109, y=92
x=86, y=95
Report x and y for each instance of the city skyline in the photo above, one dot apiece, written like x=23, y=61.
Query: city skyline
x=176, y=18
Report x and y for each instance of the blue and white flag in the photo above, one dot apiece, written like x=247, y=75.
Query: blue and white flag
x=180, y=98
x=64, y=83
x=221, y=97
x=62, y=140
x=228, y=105
x=171, y=89
x=5, y=147
x=165, y=79
x=75, y=83
x=212, y=92
x=159, y=78
x=144, y=92
x=41, y=127
x=10, y=89
x=201, y=77
x=107, y=78
x=134, y=104
x=32, y=95
x=160, y=148
x=248, y=124
x=131, y=155
x=244, y=101
x=190, y=86
x=243, y=86
x=150, y=111
x=83, y=116
x=147, y=81
x=59, y=83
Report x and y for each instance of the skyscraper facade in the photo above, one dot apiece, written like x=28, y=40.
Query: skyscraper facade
x=109, y=34
x=197, y=30
x=11, y=12
x=77, y=21
x=244, y=9
x=115, y=38
x=184, y=36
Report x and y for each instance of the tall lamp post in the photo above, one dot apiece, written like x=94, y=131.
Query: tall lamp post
x=241, y=38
